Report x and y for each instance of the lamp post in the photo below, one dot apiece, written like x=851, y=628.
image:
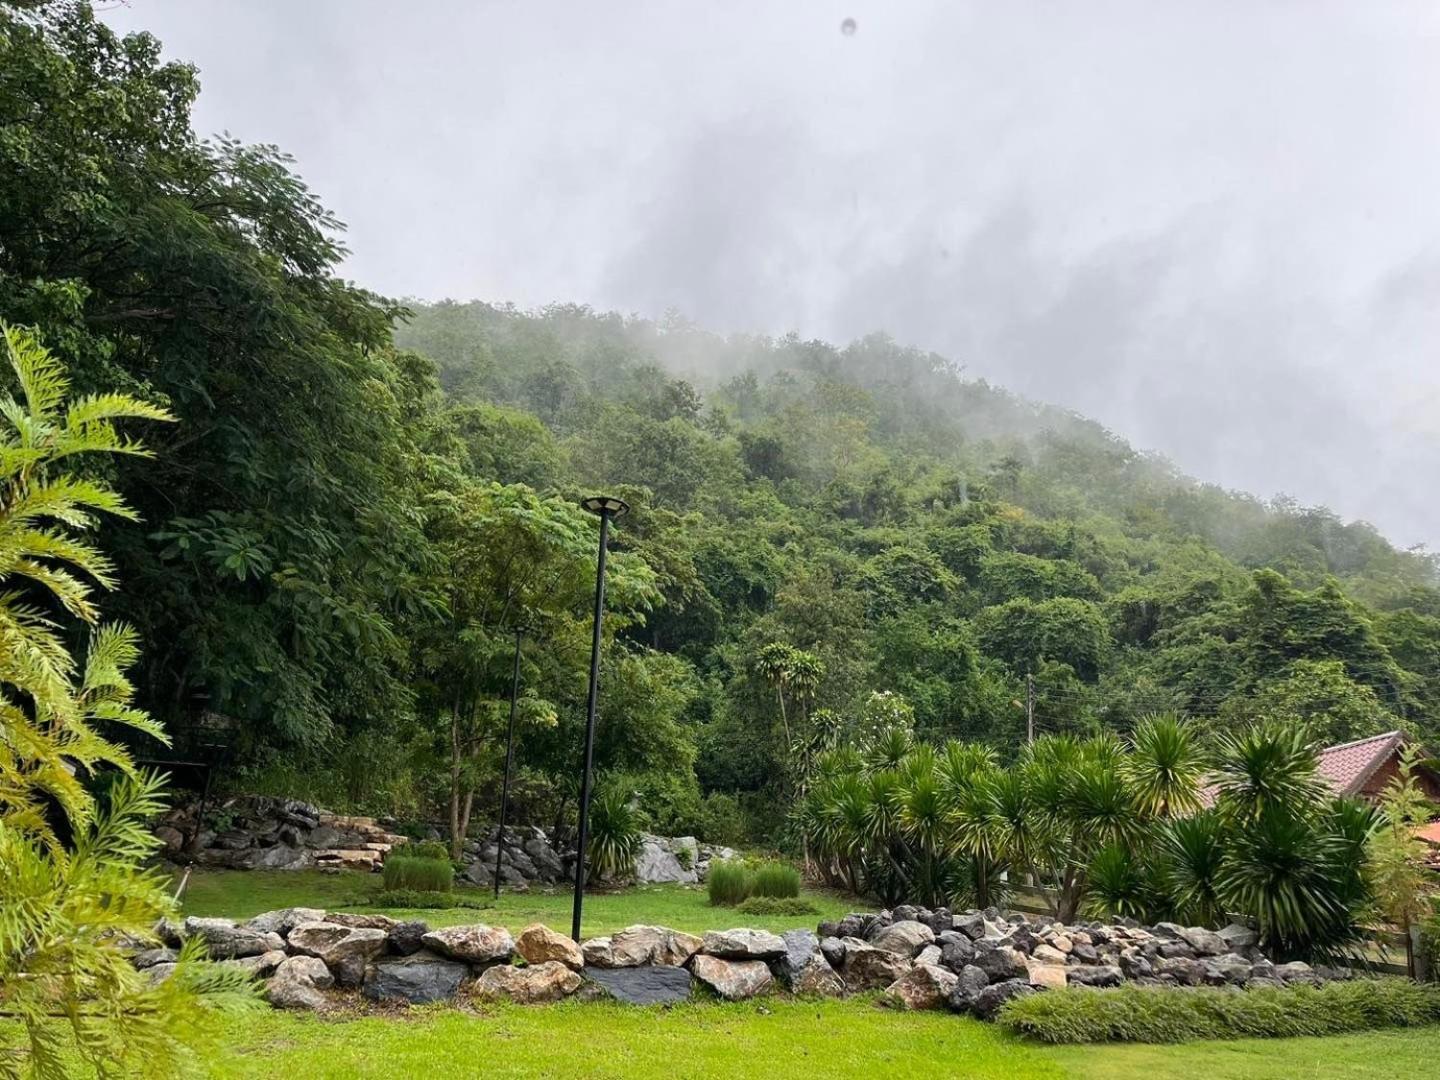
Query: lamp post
x=509, y=761
x=606, y=508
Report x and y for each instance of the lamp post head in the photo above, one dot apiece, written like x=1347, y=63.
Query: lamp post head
x=604, y=505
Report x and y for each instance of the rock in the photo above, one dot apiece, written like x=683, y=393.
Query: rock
x=994, y=932
x=800, y=947
x=939, y=920
x=1048, y=954
x=284, y=920
x=870, y=968
x=657, y=863
x=297, y=983
x=971, y=924
x=598, y=952
x=1084, y=953
x=904, y=938
x=474, y=944
x=1263, y=969
x=969, y=981
x=173, y=839
x=418, y=978
x=1044, y=976
x=743, y=944
x=1094, y=975
x=1230, y=968
x=533, y=984
x=226, y=941
x=930, y=954
x=1238, y=936
x=1174, y=949
x=148, y=958
x=357, y=921
x=1204, y=942
x=1183, y=969
x=833, y=949
x=679, y=947
x=817, y=978
x=906, y=913
x=259, y=966
x=1062, y=943
x=956, y=954
x=155, y=974
x=851, y=926
x=733, y=980
x=988, y=1001
x=408, y=937
x=656, y=984
x=538, y=944
x=345, y=950
x=924, y=986
x=1297, y=971
x=1002, y=964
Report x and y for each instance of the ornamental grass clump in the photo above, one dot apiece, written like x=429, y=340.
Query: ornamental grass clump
x=775, y=879
x=418, y=874
x=1172, y=1015
x=729, y=882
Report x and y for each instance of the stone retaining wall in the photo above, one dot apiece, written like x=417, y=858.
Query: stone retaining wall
x=920, y=959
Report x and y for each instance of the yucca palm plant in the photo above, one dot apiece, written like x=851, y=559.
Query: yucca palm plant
x=1264, y=768
x=66, y=909
x=1165, y=766
x=1191, y=850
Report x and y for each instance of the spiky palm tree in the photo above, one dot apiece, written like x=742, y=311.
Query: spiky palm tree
x=1165, y=766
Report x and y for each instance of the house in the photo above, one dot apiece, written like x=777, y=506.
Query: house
x=1362, y=769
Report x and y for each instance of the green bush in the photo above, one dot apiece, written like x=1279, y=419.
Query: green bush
x=776, y=905
x=777, y=879
x=412, y=898
x=420, y=874
x=428, y=849
x=1171, y=1015
x=729, y=882
x=614, y=839
x=721, y=820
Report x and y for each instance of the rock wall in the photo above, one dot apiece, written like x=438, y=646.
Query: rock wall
x=256, y=832
x=970, y=963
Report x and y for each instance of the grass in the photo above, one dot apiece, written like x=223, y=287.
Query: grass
x=419, y=873
x=835, y=1039
x=240, y=894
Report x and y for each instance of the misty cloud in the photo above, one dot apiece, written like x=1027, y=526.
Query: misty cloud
x=1210, y=225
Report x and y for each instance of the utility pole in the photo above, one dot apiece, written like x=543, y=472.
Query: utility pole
x=1029, y=708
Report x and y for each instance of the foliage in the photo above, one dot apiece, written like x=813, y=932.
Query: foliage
x=1396, y=865
x=426, y=899
x=415, y=873
x=1171, y=1015
x=776, y=905
x=426, y=849
x=73, y=884
x=775, y=879
x=729, y=882
x=615, y=827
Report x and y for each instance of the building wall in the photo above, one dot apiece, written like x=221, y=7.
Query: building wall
x=1375, y=786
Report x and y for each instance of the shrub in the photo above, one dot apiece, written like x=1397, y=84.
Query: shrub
x=418, y=873
x=729, y=882
x=1170, y=1015
x=413, y=898
x=428, y=849
x=614, y=833
x=721, y=820
x=776, y=879
x=777, y=905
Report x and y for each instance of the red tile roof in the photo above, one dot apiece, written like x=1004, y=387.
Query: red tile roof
x=1346, y=767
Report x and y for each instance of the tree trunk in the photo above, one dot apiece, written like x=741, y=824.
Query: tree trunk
x=457, y=838
x=465, y=806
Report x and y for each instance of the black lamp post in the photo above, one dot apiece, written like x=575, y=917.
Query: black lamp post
x=607, y=508
x=509, y=761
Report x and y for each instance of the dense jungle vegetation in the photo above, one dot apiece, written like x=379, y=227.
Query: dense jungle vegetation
x=362, y=499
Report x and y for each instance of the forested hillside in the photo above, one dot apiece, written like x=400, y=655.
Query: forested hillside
x=358, y=506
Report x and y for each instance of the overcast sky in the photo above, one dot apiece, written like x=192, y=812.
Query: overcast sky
x=1213, y=226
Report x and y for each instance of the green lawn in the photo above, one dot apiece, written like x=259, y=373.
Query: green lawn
x=240, y=894
x=835, y=1040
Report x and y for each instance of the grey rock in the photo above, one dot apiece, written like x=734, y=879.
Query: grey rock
x=475, y=944
x=969, y=981
x=1094, y=975
x=1297, y=971
x=656, y=984
x=534, y=984
x=1002, y=964
x=1238, y=936
x=1204, y=942
x=284, y=920
x=800, y=948
x=1231, y=969
x=924, y=986
x=989, y=1000
x=904, y=938
x=407, y=937
x=817, y=978
x=733, y=980
x=956, y=954
x=1185, y=970
x=971, y=924
x=259, y=966
x=226, y=941
x=657, y=863
x=870, y=968
x=148, y=958
x=743, y=944
x=833, y=949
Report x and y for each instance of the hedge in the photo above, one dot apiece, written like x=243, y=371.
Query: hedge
x=1172, y=1014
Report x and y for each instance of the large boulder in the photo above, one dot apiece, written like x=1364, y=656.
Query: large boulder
x=971, y=924
x=474, y=944
x=1204, y=942
x=1185, y=970
x=1045, y=976
x=1239, y=937
x=905, y=938
x=284, y=920
x=408, y=937
x=869, y=968
x=297, y=983
x=538, y=944
x=147, y=958
x=1230, y=969
x=261, y=966
x=817, y=978
x=743, y=944
x=924, y=986
x=1002, y=964
x=800, y=947
x=345, y=950
x=969, y=981
x=655, y=862
x=1097, y=975
x=419, y=978
x=533, y=984
x=656, y=984
x=988, y=1001
x=226, y=941
x=733, y=980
